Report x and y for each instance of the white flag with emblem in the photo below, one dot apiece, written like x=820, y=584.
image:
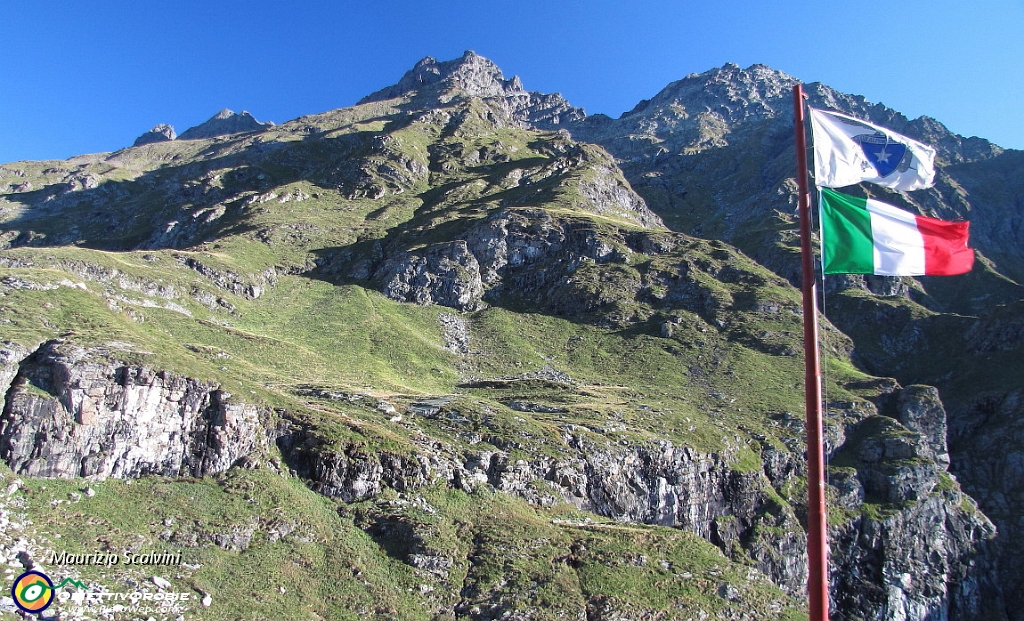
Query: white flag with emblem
x=848, y=151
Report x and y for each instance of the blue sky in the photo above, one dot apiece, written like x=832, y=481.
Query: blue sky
x=86, y=77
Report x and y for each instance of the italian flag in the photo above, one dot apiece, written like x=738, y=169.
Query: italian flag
x=865, y=236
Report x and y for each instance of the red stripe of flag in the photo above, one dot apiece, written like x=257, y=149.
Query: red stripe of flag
x=945, y=247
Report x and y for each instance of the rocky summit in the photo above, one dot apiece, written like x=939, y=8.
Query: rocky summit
x=160, y=133
x=462, y=351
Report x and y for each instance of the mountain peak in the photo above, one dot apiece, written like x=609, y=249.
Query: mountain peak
x=160, y=133
x=470, y=74
x=431, y=82
x=730, y=92
x=223, y=123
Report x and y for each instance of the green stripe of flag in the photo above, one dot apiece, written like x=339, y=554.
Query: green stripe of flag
x=846, y=234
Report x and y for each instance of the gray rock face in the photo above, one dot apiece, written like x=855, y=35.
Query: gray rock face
x=920, y=410
x=884, y=563
x=529, y=253
x=160, y=133
x=446, y=274
x=223, y=123
x=525, y=251
x=11, y=355
x=475, y=75
x=431, y=82
x=77, y=412
x=986, y=437
x=531, y=257
x=887, y=567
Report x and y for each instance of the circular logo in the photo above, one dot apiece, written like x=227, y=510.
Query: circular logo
x=32, y=591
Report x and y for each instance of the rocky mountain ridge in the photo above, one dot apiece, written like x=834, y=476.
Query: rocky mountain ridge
x=224, y=123
x=482, y=290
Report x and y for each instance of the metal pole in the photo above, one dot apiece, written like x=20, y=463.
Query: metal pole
x=817, y=542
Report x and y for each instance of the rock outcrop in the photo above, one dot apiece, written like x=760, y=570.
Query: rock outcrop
x=885, y=566
x=80, y=412
x=446, y=274
x=986, y=434
x=883, y=562
x=223, y=123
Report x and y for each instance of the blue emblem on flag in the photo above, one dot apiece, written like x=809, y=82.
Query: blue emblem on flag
x=884, y=154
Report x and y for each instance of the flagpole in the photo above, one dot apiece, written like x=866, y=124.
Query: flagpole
x=817, y=543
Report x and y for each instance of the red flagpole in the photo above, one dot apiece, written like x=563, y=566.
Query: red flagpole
x=817, y=542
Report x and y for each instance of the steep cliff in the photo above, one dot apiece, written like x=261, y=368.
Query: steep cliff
x=75, y=412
